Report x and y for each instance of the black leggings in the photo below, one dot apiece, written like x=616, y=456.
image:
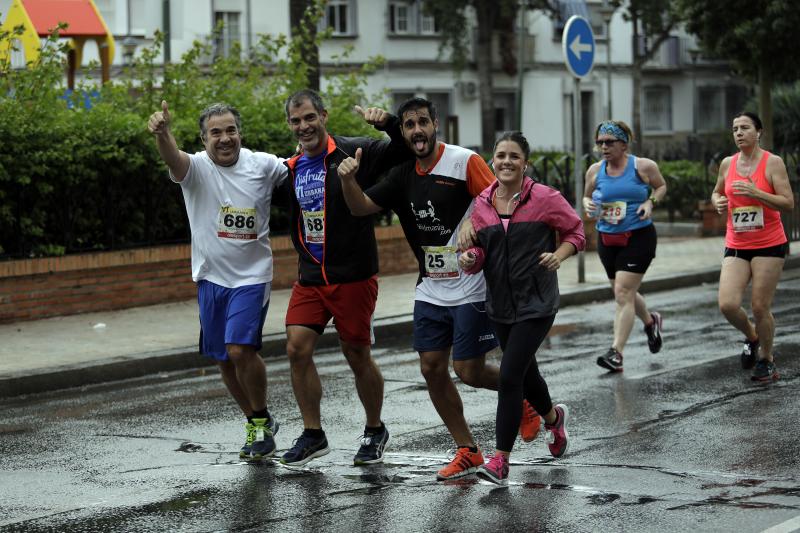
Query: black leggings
x=519, y=376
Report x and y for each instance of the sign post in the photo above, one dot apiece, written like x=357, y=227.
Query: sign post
x=577, y=44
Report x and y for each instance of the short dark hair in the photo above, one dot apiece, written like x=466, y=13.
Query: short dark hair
x=215, y=110
x=517, y=137
x=297, y=98
x=415, y=103
x=752, y=116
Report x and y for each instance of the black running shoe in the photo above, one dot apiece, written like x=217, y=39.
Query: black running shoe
x=765, y=371
x=749, y=354
x=371, y=450
x=612, y=360
x=653, y=332
x=304, y=449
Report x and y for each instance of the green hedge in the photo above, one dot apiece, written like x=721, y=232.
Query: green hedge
x=75, y=179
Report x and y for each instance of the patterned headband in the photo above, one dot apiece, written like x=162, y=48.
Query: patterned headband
x=610, y=128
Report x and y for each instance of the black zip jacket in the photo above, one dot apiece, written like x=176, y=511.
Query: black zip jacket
x=350, y=252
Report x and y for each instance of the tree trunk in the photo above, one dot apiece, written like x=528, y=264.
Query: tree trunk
x=297, y=9
x=765, y=106
x=485, y=12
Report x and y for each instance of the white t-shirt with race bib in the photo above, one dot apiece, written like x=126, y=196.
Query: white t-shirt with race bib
x=228, y=210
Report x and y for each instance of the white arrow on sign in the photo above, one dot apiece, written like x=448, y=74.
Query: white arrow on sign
x=577, y=47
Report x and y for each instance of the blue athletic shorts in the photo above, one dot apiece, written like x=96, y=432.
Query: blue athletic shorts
x=230, y=316
x=466, y=328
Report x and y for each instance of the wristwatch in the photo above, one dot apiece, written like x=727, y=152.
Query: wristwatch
x=653, y=200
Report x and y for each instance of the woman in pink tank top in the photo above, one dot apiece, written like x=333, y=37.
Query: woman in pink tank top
x=752, y=186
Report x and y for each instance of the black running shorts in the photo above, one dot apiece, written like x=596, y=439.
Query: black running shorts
x=772, y=251
x=635, y=257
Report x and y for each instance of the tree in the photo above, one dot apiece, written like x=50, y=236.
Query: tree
x=652, y=20
x=303, y=17
x=757, y=36
x=490, y=15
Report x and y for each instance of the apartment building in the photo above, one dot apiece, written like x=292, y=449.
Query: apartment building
x=682, y=94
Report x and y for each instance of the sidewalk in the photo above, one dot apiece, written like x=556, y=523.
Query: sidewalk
x=78, y=350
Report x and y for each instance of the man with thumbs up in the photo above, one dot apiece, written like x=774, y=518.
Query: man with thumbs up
x=228, y=191
x=432, y=196
x=338, y=263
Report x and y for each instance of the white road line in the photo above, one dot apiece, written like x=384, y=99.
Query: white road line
x=793, y=524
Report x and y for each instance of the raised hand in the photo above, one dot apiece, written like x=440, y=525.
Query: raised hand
x=159, y=121
x=348, y=168
x=374, y=116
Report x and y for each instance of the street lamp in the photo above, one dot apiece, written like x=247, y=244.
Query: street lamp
x=607, y=12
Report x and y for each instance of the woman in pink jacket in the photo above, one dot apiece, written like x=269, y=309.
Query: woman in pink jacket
x=516, y=221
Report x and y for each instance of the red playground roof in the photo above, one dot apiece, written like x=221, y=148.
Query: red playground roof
x=79, y=14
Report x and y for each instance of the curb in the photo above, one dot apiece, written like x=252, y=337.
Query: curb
x=188, y=358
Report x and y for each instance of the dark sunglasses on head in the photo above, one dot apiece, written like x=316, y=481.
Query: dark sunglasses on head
x=606, y=142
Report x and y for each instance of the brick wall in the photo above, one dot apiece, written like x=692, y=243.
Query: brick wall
x=55, y=286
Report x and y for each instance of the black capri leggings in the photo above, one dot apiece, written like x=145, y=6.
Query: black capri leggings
x=519, y=376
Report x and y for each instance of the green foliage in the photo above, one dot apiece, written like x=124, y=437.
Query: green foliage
x=753, y=34
x=687, y=183
x=74, y=179
x=786, y=106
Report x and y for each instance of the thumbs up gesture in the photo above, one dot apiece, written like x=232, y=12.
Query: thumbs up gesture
x=348, y=168
x=159, y=121
x=374, y=116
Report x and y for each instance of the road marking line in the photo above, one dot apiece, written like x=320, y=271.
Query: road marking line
x=793, y=524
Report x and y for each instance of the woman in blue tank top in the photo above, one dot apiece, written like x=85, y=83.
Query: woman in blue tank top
x=621, y=192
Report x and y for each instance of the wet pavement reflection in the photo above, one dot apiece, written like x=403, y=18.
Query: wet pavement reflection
x=681, y=439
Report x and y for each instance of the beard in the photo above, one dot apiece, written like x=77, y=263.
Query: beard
x=426, y=149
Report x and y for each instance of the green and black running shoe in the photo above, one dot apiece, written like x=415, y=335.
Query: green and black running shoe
x=247, y=447
x=263, y=444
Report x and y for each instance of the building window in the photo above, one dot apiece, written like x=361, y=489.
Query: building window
x=231, y=31
x=340, y=17
x=657, y=112
x=505, y=112
x=717, y=104
x=710, y=108
x=566, y=9
x=407, y=17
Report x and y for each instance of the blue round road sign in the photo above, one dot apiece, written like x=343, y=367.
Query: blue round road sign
x=577, y=43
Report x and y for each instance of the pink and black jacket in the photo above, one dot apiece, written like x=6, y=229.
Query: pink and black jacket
x=517, y=287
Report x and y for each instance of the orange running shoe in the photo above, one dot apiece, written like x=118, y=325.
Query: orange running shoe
x=530, y=423
x=464, y=463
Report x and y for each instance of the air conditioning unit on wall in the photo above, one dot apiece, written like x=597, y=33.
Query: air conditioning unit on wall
x=468, y=89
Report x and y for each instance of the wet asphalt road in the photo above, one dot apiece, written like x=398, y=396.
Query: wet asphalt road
x=683, y=440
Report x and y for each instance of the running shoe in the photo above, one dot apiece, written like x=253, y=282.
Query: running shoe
x=496, y=470
x=557, y=436
x=653, y=332
x=247, y=447
x=530, y=423
x=749, y=354
x=465, y=462
x=765, y=371
x=304, y=449
x=612, y=360
x=263, y=444
x=372, y=447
